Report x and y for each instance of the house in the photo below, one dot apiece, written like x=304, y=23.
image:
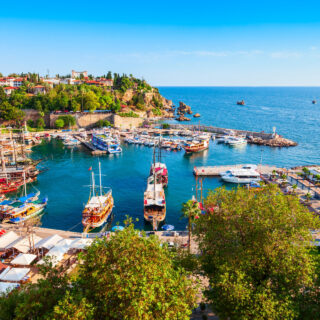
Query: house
x=9, y=90
x=106, y=82
x=79, y=74
x=39, y=89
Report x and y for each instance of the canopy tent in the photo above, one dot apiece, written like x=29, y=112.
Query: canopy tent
x=14, y=274
x=7, y=239
x=6, y=287
x=64, y=243
x=57, y=251
x=81, y=243
x=54, y=259
x=23, y=244
x=24, y=259
x=48, y=243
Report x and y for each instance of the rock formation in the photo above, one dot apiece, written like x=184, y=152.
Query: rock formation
x=183, y=109
x=182, y=118
x=196, y=115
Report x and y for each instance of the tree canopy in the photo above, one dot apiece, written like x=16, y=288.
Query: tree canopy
x=256, y=253
x=131, y=276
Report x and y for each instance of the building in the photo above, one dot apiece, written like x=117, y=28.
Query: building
x=39, y=89
x=79, y=74
x=9, y=90
x=12, y=81
x=106, y=82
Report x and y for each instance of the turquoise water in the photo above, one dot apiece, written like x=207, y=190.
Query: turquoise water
x=288, y=109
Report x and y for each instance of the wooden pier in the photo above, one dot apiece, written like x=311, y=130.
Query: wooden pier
x=214, y=171
x=94, y=151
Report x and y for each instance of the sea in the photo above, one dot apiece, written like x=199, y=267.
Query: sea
x=66, y=177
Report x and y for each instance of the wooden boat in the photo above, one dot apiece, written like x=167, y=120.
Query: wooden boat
x=98, y=208
x=154, y=196
x=202, y=143
x=158, y=169
x=154, y=203
x=240, y=103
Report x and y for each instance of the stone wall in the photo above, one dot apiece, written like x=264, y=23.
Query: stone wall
x=89, y=120
x=261, y=135
x=126, y=122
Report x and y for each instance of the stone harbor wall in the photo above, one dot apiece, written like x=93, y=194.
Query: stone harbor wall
x=89, y=120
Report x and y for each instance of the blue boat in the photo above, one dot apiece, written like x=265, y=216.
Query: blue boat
x=105, y=143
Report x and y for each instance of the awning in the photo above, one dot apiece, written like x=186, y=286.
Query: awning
x=14, y=274
x=7, y=239
x=24, y=259
x=6, y=287
x=48, y=243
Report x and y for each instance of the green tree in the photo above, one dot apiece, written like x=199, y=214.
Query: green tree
x=255, y=252
x=68, y=120
x=72, y=307
x=90, y=101
x=133, y=277
x=9, y=112
x=40, y=123
x=109, y=75
x=59, y=123
x=3, y=96
x=190, y=210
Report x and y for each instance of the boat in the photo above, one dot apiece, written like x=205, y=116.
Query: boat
x=158, y=169
x=246, y=174
x=235, y=141
x=314, y=101
x=98, y=208
x=154, y=197
x=23, y=208
x=154, y=203
x=106, y=143
x=202, y=143
x=240, y=103
x=71, y=142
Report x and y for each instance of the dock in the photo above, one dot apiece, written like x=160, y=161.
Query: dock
x=214, y=171
x=94, y=151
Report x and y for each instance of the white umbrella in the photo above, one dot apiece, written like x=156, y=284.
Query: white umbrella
x=14, y=274
x=6, y=287
x=24, y=259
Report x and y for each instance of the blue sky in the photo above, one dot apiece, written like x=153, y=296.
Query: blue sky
x=224, y=43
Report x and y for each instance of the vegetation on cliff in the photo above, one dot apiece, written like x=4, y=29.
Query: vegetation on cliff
x=127, y=92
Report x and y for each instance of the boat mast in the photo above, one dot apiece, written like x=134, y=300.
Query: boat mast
x=24, y=182
x=154, y=172
x=100, y=178
x=93, y=185
x=3, y=164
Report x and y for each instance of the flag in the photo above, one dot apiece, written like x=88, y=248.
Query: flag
x=90, y=169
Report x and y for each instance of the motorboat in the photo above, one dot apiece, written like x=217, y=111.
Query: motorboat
x=246, y=174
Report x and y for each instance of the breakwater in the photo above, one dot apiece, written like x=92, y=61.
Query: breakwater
x=253, y=137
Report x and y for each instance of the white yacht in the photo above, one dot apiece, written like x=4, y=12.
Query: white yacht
x=246, y=174
x=235, y=141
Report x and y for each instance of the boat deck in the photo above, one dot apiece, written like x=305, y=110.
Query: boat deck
x=90, y=146
x=214, y=171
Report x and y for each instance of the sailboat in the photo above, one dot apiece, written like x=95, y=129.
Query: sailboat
x=24, y=207
x=98, y=208
x=154, y=200
x=159, y=169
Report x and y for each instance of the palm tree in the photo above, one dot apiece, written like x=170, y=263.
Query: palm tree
x=294, y=188
x=308, y=196
x=317, y=177
x=190, y=210
x=284, y=178
x=306, y=172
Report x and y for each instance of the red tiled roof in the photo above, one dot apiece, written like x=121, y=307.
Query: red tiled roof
x=39, y=86
x=12, y=88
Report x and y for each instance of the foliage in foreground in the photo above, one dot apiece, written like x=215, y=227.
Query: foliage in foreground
x=256, y=254
x=128, y=277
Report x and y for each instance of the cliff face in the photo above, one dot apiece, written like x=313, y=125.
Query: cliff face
x=146, y=103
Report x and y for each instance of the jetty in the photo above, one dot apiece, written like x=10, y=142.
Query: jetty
x=89, y=145
x=214, y=171
x=253, y=137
